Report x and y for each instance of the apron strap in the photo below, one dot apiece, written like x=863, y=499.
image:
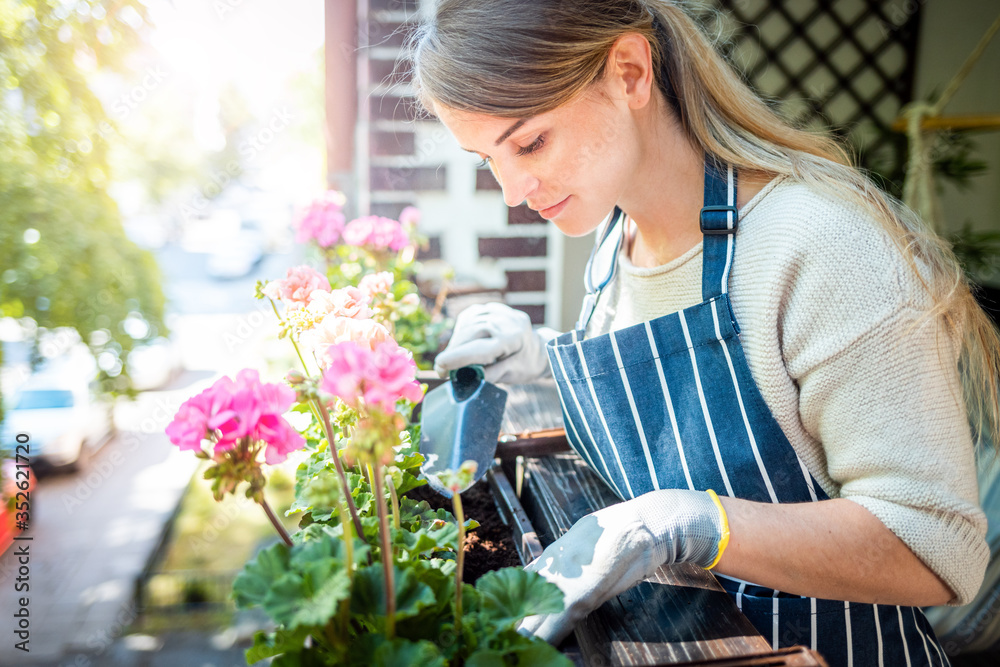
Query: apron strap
x=719, y=219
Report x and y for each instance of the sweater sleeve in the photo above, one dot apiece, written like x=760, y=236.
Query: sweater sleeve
x=886, y=404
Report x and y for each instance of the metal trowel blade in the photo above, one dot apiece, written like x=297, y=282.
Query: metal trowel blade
x=460, y=421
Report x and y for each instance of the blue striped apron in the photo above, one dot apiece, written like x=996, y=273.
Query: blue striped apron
x=671, y=403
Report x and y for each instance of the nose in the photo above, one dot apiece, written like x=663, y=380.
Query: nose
x=516, y=184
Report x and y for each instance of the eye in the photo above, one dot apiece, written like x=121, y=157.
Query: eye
x=527, y=150
x=533, y=146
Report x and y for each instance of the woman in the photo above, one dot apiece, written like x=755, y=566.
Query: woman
x=768, y=326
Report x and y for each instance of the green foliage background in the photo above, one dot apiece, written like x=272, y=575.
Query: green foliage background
x=82, y=272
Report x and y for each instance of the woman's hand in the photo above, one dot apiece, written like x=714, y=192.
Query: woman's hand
x=500, y=339
x=609, y=551
x=833, y=549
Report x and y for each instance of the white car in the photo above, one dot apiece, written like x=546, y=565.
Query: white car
x=152, y=365
x=60, y=418
x=238, y=256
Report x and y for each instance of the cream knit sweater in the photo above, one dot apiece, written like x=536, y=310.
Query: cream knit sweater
x=867, y=393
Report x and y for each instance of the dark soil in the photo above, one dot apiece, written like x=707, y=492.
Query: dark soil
x=488, y=547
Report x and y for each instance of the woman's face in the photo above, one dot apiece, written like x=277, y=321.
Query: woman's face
x=572, y=164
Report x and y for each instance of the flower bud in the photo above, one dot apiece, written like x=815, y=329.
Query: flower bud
x=295, y=377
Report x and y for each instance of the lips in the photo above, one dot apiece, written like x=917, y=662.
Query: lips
x=554, y=210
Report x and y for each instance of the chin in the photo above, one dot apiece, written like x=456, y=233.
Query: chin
x=578, y=225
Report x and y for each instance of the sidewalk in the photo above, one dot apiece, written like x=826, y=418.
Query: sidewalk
x=92, y=533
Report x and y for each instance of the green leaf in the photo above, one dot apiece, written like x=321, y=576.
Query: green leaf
x=425, y=540
x=284, y=598
x=510, y=594
x=529, y=653
x=368, y=593
x=404, y=480
x=321, y=605
x=303, y=586
x=320, y=541
x=252, y=584
x=363, y=501
x=409, y=461
x=309, y=657
x=404, y=653
x=269, y=645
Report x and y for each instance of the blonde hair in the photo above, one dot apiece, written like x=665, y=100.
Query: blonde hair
x=520, y=58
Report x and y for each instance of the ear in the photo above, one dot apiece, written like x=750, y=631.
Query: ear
x=630, y=69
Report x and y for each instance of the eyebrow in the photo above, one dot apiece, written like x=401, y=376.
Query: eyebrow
x=503, y=137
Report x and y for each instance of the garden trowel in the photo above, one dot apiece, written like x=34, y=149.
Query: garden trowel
x=460, y=421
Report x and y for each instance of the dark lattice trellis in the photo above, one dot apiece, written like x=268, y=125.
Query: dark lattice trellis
x=843, y=64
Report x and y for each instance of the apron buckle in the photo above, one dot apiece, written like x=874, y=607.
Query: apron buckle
x=712, y=228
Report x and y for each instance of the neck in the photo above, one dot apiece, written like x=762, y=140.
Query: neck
x=666, y=195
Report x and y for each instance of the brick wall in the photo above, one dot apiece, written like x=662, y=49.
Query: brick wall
x=402, y=160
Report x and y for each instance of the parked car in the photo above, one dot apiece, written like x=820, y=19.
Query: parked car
x=239, y=255
x=61, y=417
x=152, y=365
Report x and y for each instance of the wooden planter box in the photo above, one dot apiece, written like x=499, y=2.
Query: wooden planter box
x=680, y=616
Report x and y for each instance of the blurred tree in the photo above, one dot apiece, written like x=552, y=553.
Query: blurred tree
x=64, y=257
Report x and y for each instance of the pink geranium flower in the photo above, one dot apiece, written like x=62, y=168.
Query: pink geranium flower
x=345, y=302
x=376, y=233
x=410, y=216
x=381, y=376
x=230, y=411
x=201, y=415
x=334, y=329
x=376, y=283
x=296, y=288
x=322, y=220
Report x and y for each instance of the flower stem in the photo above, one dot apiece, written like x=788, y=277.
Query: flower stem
x=302, y=360
x=387, y=562
x=348, y=536
x=275, y=522
x=442, y=296
x=305, y=368
x=325, y=418
x=394, y=500
x=394, y=497
x=456, y=501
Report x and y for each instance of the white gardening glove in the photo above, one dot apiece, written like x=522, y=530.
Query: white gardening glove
x=608, y=551
x=500, y=339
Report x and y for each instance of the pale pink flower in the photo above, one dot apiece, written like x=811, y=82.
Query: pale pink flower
x=296, y=288
x=343, y=302
x=334, y=329
x=233, y=410
x=376, y=233
x=381, y=376
x=322, y=220
x=376, y=283
x=410, y=216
